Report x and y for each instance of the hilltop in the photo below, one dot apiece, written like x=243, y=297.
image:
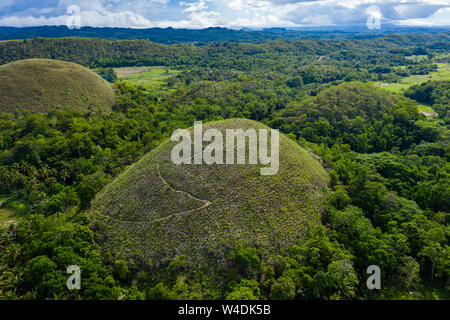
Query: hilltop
x=40, y=85
x=367, y=118
x=157, y=210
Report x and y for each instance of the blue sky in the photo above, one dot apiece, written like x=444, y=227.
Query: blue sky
x=225, y=13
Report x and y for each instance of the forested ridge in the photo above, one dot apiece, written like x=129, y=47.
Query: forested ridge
x=388, y=165
x=207, y=35
x=105, y=53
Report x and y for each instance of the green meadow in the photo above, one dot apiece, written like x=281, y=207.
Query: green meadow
x=149, y=78
x=443, y=73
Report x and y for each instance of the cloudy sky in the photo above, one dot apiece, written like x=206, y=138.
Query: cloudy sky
x=223, y=13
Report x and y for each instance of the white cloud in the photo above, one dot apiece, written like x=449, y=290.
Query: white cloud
x=226, y=13
x=124, y=19
x=249, y=4
x=262, y=22
x=45, y=10
x=28, y=21
x=196, y=20
x=334, y=12
x=194, y=6
x=318, y=20
x=440, y=18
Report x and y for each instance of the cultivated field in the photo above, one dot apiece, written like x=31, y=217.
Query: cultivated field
x=149, y=78
x=443, y=73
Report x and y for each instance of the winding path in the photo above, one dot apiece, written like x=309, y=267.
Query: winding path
x=206, y=203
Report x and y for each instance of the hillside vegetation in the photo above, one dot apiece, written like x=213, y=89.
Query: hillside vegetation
x=432, y=93
x=160, y=210
x=40, y=85
x=156, y=231
x=367, y=118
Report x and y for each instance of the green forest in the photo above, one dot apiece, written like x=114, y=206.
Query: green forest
x=388, y=198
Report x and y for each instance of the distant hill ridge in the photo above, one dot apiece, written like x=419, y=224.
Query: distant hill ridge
x=144, y=52
x=172, y=35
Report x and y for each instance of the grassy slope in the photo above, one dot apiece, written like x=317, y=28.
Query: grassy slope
x=247, y=208
x=41, y=84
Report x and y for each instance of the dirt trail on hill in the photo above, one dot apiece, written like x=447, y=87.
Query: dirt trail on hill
x=206, y=203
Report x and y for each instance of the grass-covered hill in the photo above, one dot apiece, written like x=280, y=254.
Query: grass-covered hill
x=157, y=210
x=367, y=118
x=40, y=85
x=349, y=99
